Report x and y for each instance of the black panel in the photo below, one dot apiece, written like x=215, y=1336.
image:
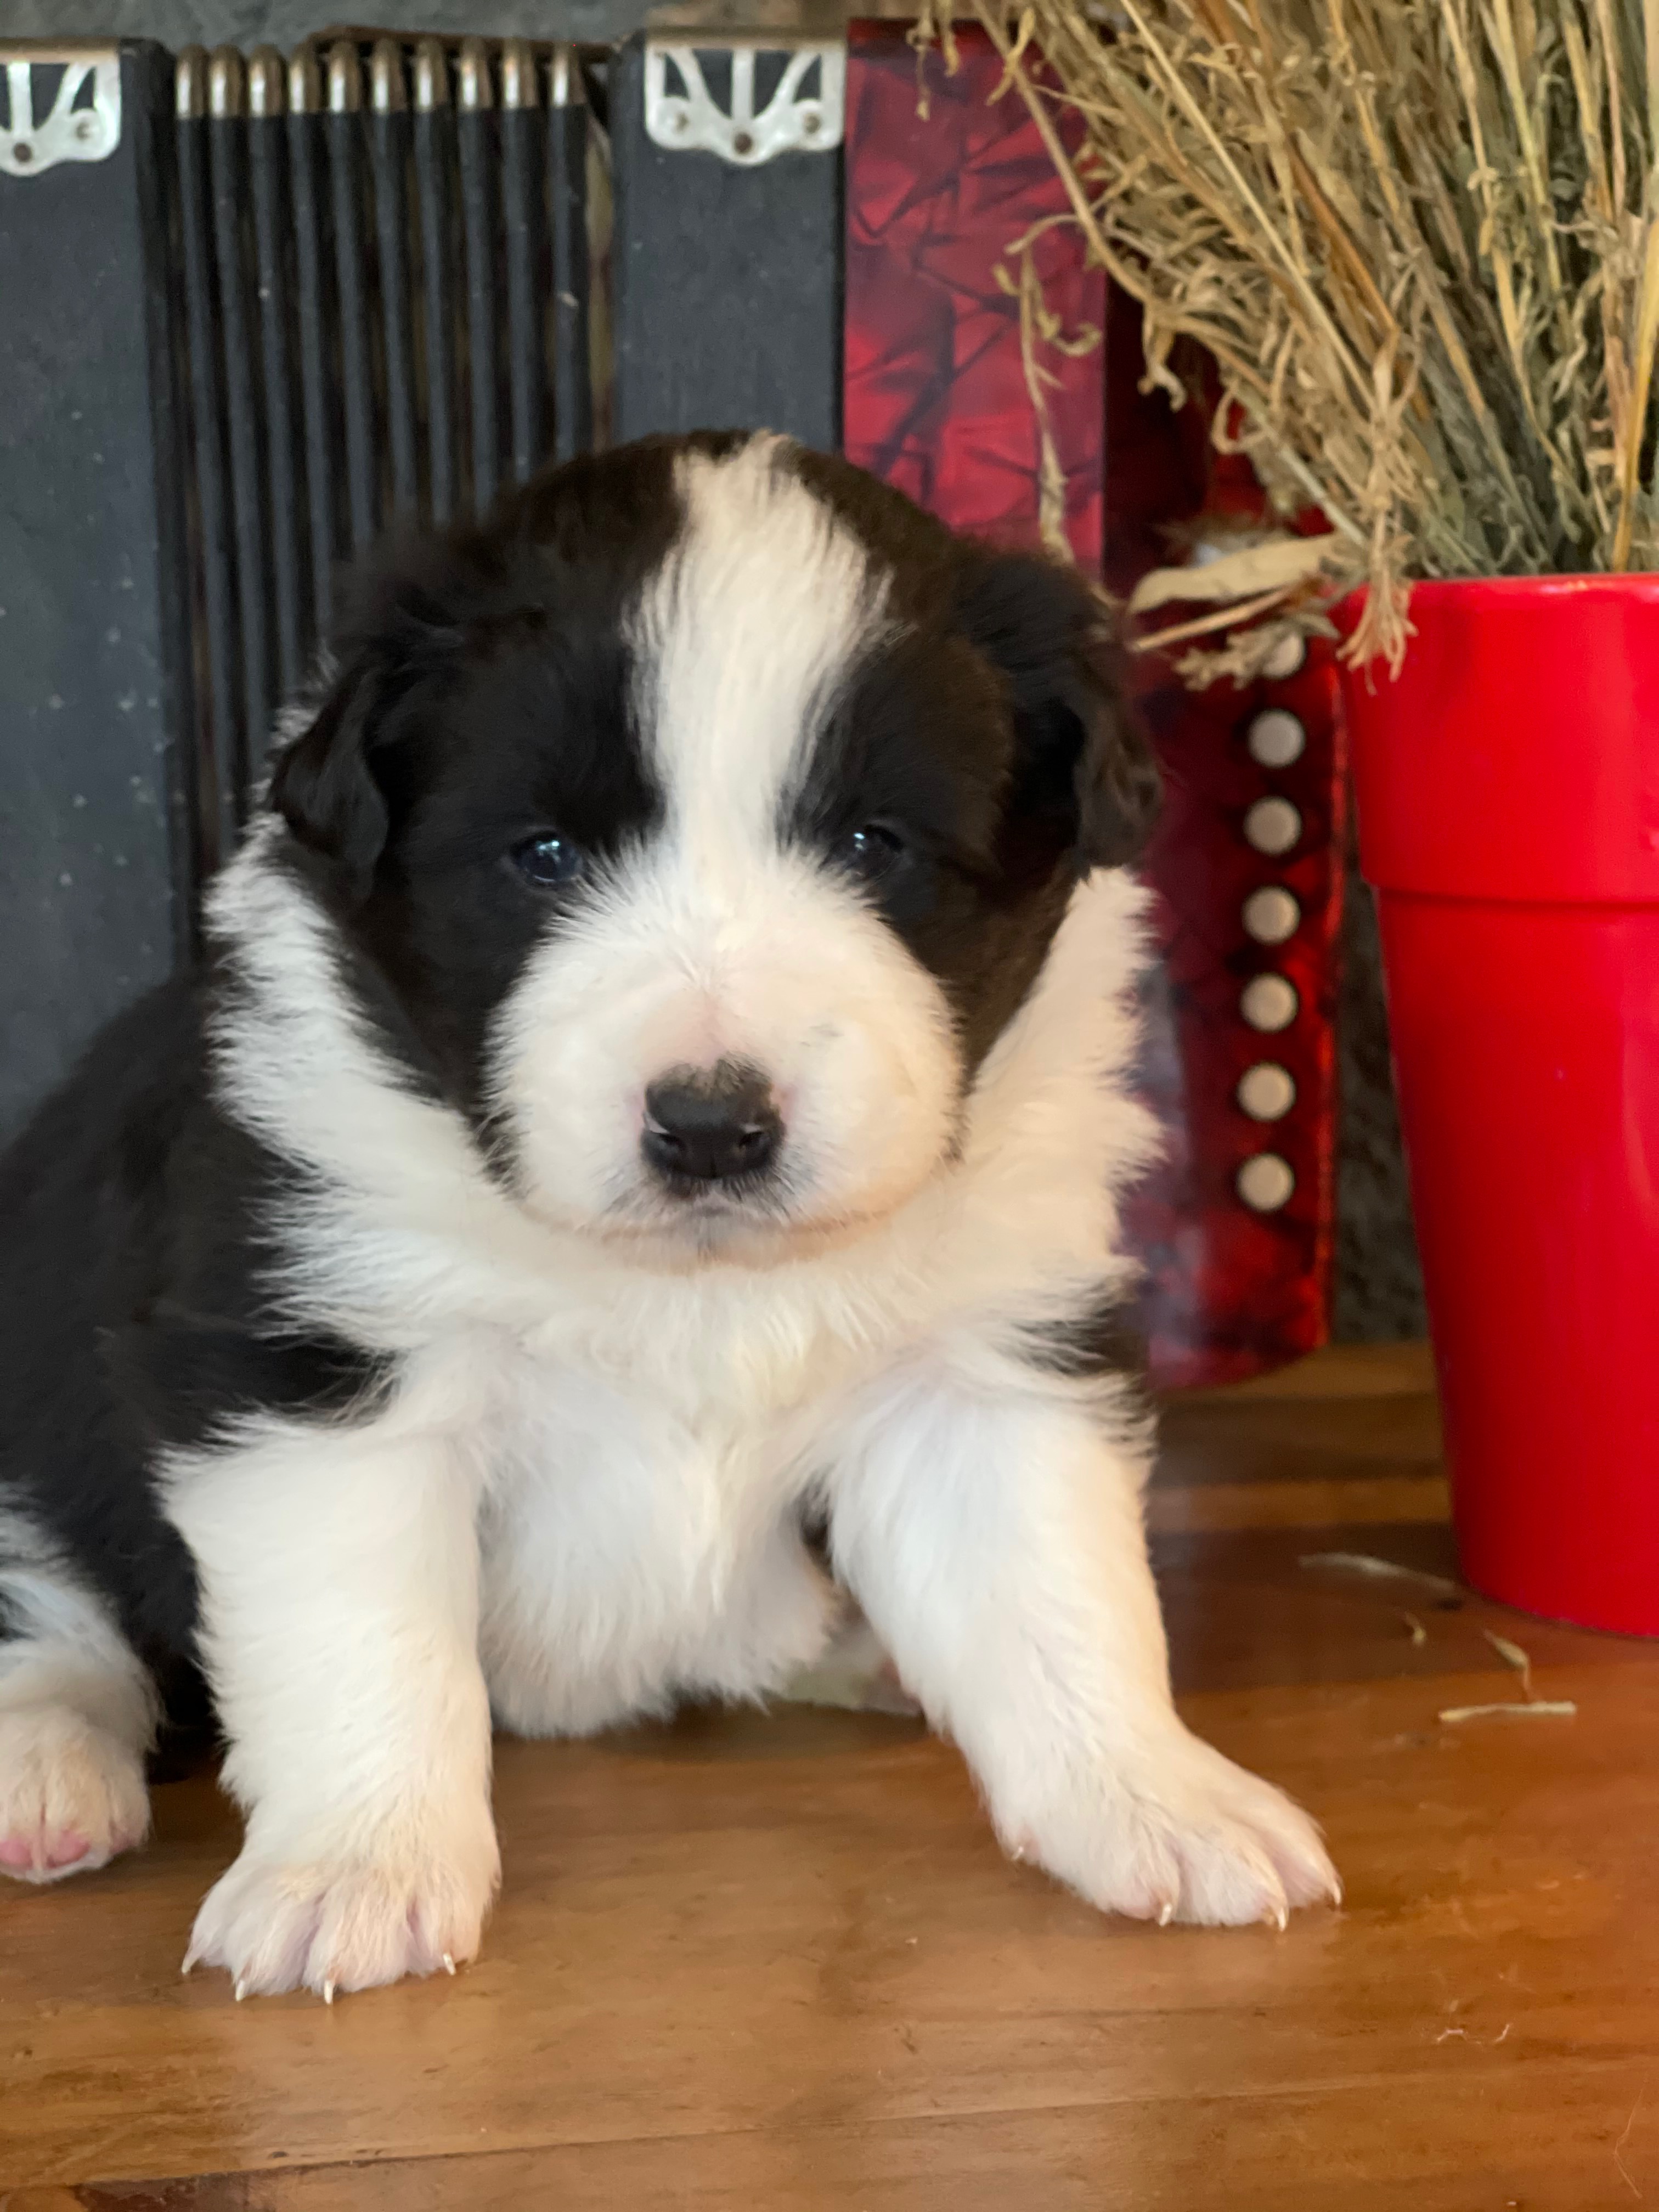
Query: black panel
x=390, y=138
x=175, y=498
x=273, y=231
x=95, y=866
x=219, y=742
x=352, y=278
x=228, y=166
x=434, y=164
x=727, y=284
x=307, y=176
x=478, y=147
x=525, y=159
x=566, y=154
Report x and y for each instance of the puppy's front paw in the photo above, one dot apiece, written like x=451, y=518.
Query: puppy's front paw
x=72, y=1797
x=347, y=1918
x=1181, y=1834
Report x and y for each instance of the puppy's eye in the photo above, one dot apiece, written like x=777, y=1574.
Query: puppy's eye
x=549, y=861
x=871, y=852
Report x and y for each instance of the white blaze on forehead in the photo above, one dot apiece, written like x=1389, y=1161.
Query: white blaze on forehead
x=715, y=938
x=758, y=613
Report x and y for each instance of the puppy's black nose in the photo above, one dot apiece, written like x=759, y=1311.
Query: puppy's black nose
x=711, y=1125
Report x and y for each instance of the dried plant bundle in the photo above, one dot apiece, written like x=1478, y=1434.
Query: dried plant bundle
x=1420, y=238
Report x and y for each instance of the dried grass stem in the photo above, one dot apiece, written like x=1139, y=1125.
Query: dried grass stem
x=1420, y=239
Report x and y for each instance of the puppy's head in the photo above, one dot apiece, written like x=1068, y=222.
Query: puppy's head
x=702, y=822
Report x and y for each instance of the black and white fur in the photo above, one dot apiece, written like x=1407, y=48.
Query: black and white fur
x=376, y=1342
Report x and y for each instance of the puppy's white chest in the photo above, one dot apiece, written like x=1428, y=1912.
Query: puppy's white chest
x=723, y=1353
x=638, y=1546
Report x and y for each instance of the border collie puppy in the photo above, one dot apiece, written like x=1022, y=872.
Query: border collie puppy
x=652, y=1121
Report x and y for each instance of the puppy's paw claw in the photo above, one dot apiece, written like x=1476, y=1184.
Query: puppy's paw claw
x=1187, y=1836
x=335, y=1924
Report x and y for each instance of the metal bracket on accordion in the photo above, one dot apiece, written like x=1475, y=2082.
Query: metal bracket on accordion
x=791, y=122
x=71, y=130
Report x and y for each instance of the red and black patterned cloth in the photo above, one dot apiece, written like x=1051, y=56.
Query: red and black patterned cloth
x=936, y=401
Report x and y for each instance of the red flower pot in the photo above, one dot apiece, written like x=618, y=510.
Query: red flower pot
x=1508, y=786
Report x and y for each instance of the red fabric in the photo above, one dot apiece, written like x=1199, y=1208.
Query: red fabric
x=1229, y=1292
x=1232, y=1292
x=936, y=402
x=935, y=395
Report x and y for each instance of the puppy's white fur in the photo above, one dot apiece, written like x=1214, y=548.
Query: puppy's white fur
x=584, y=1488
x=77, y=1716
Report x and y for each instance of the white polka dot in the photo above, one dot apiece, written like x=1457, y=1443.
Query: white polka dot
x=1271, y=914
x=1269, y=1003
x=1273, y=825
x=1276, y=739
x=1265, y=1182
x=1267, y=1091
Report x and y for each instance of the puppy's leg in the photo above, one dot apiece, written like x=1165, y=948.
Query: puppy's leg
x=854, y=1674
x=77, y=1713
x=339, y=1595
x=996, y=1542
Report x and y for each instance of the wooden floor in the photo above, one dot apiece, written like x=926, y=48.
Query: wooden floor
x=778, y=1963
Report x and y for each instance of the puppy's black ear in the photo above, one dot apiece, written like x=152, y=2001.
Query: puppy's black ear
x=324, y=788
x=328, y=783
x=1082, y=748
